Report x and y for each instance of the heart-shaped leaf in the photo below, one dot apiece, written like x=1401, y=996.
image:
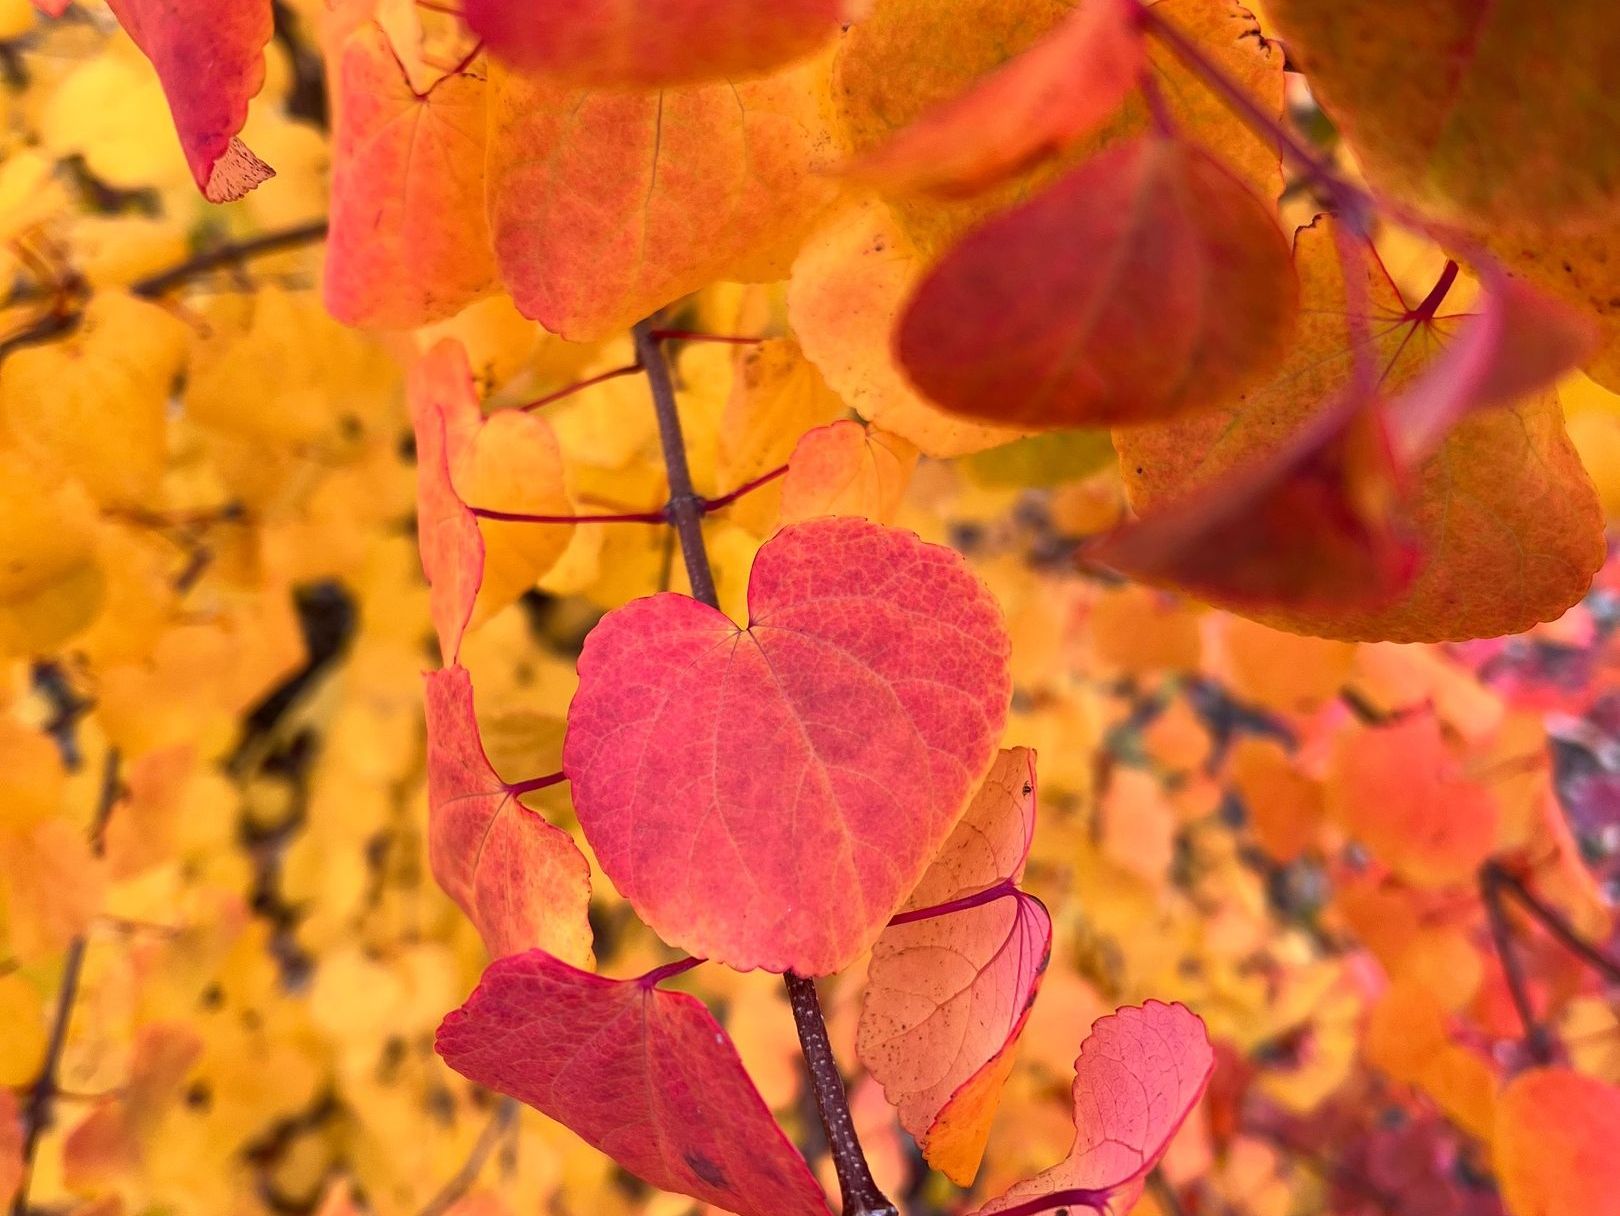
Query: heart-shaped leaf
x=768, y=796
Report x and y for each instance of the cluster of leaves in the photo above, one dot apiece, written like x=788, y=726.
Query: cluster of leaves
x=957, y=256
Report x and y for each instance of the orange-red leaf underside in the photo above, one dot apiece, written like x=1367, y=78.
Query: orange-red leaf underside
x=644, y=1075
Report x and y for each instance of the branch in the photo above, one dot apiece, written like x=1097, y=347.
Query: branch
x=1537, y=1040
x=461, y=1181
x=1494, y=879
x=861, y=1196
x=36, y=1113
x=61, y=320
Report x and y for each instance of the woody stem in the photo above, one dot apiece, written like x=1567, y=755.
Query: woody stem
x=861, y=1195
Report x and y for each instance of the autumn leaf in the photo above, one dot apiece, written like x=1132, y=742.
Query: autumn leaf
x=949, y=991
x=452, y=549
x=1554, y=1129
x=408, y=243
x=768, y=796
x=645, y=1075
x=1146, y=283
x=1431, y=101
x=845, y=468
x=1035, y=106
x=912, y=56
x=110, y=1140
x=1502, y=514
x=209, y=54
x=849, y=284
x=605, y=206
x=1314, y=527
x=1396, y=789
x=1140, y=1073
x=522, y=881
x=11, y=1143
x=651, y=43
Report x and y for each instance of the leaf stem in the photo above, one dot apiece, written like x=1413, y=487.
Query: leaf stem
x=861, y=1196
x=747, y=487
x=1354, y=204
x=520, y=517
x=1096, y=1201
x=536, y=783
x=36, y=1112
x=989, y=895
x=693, y=335
x=629, y=369
x=669, y=971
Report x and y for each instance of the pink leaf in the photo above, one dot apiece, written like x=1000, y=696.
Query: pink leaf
x=209, y=54
x=768, y=796
x=647, y=1076
x=1139, y=1075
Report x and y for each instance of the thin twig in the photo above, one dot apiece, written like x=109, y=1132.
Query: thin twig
x=861, y=1195
x=36, y=1113
x=1492, y=874
x=461, y=1182
x=60, y=320
x=1536, y=1039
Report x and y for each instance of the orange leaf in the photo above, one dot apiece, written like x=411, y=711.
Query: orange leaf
x=1139, y=1075
x=447, y=532
x=846, y=468
x=1554, y=1144
x=1503, y=512
x=1431, y=99
x=768, y=796
x=522, y=881
x=1398, y=790
x=649, y=43
x=1310, y=528
x=209, y=54
x=606, y=206
x=647, y=1076
x=1035, y=106
x=948, y=992
x=408, y=243
x=1146, y=283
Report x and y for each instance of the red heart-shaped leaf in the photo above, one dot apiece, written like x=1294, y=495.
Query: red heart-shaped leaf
x=768, y=796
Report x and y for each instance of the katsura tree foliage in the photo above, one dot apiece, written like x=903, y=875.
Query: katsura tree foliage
x=914, y=495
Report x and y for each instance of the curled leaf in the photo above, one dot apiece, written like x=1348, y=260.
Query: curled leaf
x=209, y=54
x=447, y=531
x=950, y=988
x=1034, y=106
x=1315, y=527
x=1502, y=517
x=1139, y=1075
x=768, y=796
x=644, y=1075
x=1146, y=283
x=523, y=882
